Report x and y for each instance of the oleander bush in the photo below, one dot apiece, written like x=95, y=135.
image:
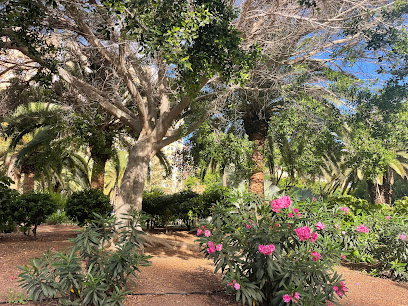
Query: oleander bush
x=272, y=253
x=92, y=273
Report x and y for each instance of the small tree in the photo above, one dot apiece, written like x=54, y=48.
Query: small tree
x=31, y=209
x=82, y=205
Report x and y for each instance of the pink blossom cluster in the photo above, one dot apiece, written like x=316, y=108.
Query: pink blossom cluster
x=212, y=248
x=294, y=297
x=314, y=237
x=296, y=211
x=202, y=229
x=234, y=284
x=345, y=209
x=316, y=256
x=402, y=236
x=303, y=233
x=320, y=226
x=343, y=256
x=343, y=289
x=362, y=229
x=266, y=249
x=248, y=226
x=387, y=217
x=281, y=203
x=13, y=277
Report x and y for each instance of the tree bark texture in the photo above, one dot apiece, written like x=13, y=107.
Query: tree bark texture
x=131, y=190
x=98, y=173
x=380, y=194
x=28, y=182
x=256, y=127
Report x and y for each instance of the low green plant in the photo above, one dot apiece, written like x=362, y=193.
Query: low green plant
x=14, y=297
x=92, y=273
x=58, y=217
x=271, y=254
x=82, y=205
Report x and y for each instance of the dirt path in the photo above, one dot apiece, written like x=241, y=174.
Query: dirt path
x=178, y=270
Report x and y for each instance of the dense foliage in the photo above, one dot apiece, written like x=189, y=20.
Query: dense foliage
x=82, y=205
x=185, y=205
x=89, y=274
x=31, y=209
x=26, y=211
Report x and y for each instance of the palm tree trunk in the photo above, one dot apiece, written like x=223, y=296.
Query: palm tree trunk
x=256, y=180
x=380, y=194
x=98, y=172
x=28, y=182
x=257, y=129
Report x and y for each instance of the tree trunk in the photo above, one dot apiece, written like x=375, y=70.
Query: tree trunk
x=28, y=182
x=256, y=181
x=257, y=129
x=98, y=172
x=380, y=194
x=131, y=189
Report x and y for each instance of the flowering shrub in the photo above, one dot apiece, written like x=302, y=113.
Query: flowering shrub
x=371, y=236
x=268, y=256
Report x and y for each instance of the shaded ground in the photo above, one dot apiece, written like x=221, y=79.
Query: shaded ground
x=176, y=271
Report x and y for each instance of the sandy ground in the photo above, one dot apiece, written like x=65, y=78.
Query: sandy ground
x=175, y=271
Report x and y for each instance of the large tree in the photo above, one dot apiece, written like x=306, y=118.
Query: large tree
x=307, y=50
x=163, y=57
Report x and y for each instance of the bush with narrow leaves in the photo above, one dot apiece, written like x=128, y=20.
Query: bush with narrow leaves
x=270, y=254
x=89, y=274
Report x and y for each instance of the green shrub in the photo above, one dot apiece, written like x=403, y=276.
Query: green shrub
x=265, y=260
x=184, y=205
x=82, y=205
x=401, y=207
x=381, y=246
x=31, y=209
x=7, y=199
x=89, y=274
x=58, y=217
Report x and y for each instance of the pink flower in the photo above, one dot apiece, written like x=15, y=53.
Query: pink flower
x=403, y=237
x=199, y=232
x=303, y=233
x=316, y=256
x=337, y=226
x=362, y=229
x=345, y=209
x=320, y=226
x=295, y=210
x=314, y=237
x=290, y=215
x=387, y=217
x=211, y=250
x=266, y=249
x=207, y=233
x=296, y=296
x=287, y=298
x=218, y=247
x=278, y=204
x=340, y=292
x=329, y=303
x=234, y=284
x=210, y=244
x=343, y=256
x=248, y=226
x=343, y=232
x=53, y=249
